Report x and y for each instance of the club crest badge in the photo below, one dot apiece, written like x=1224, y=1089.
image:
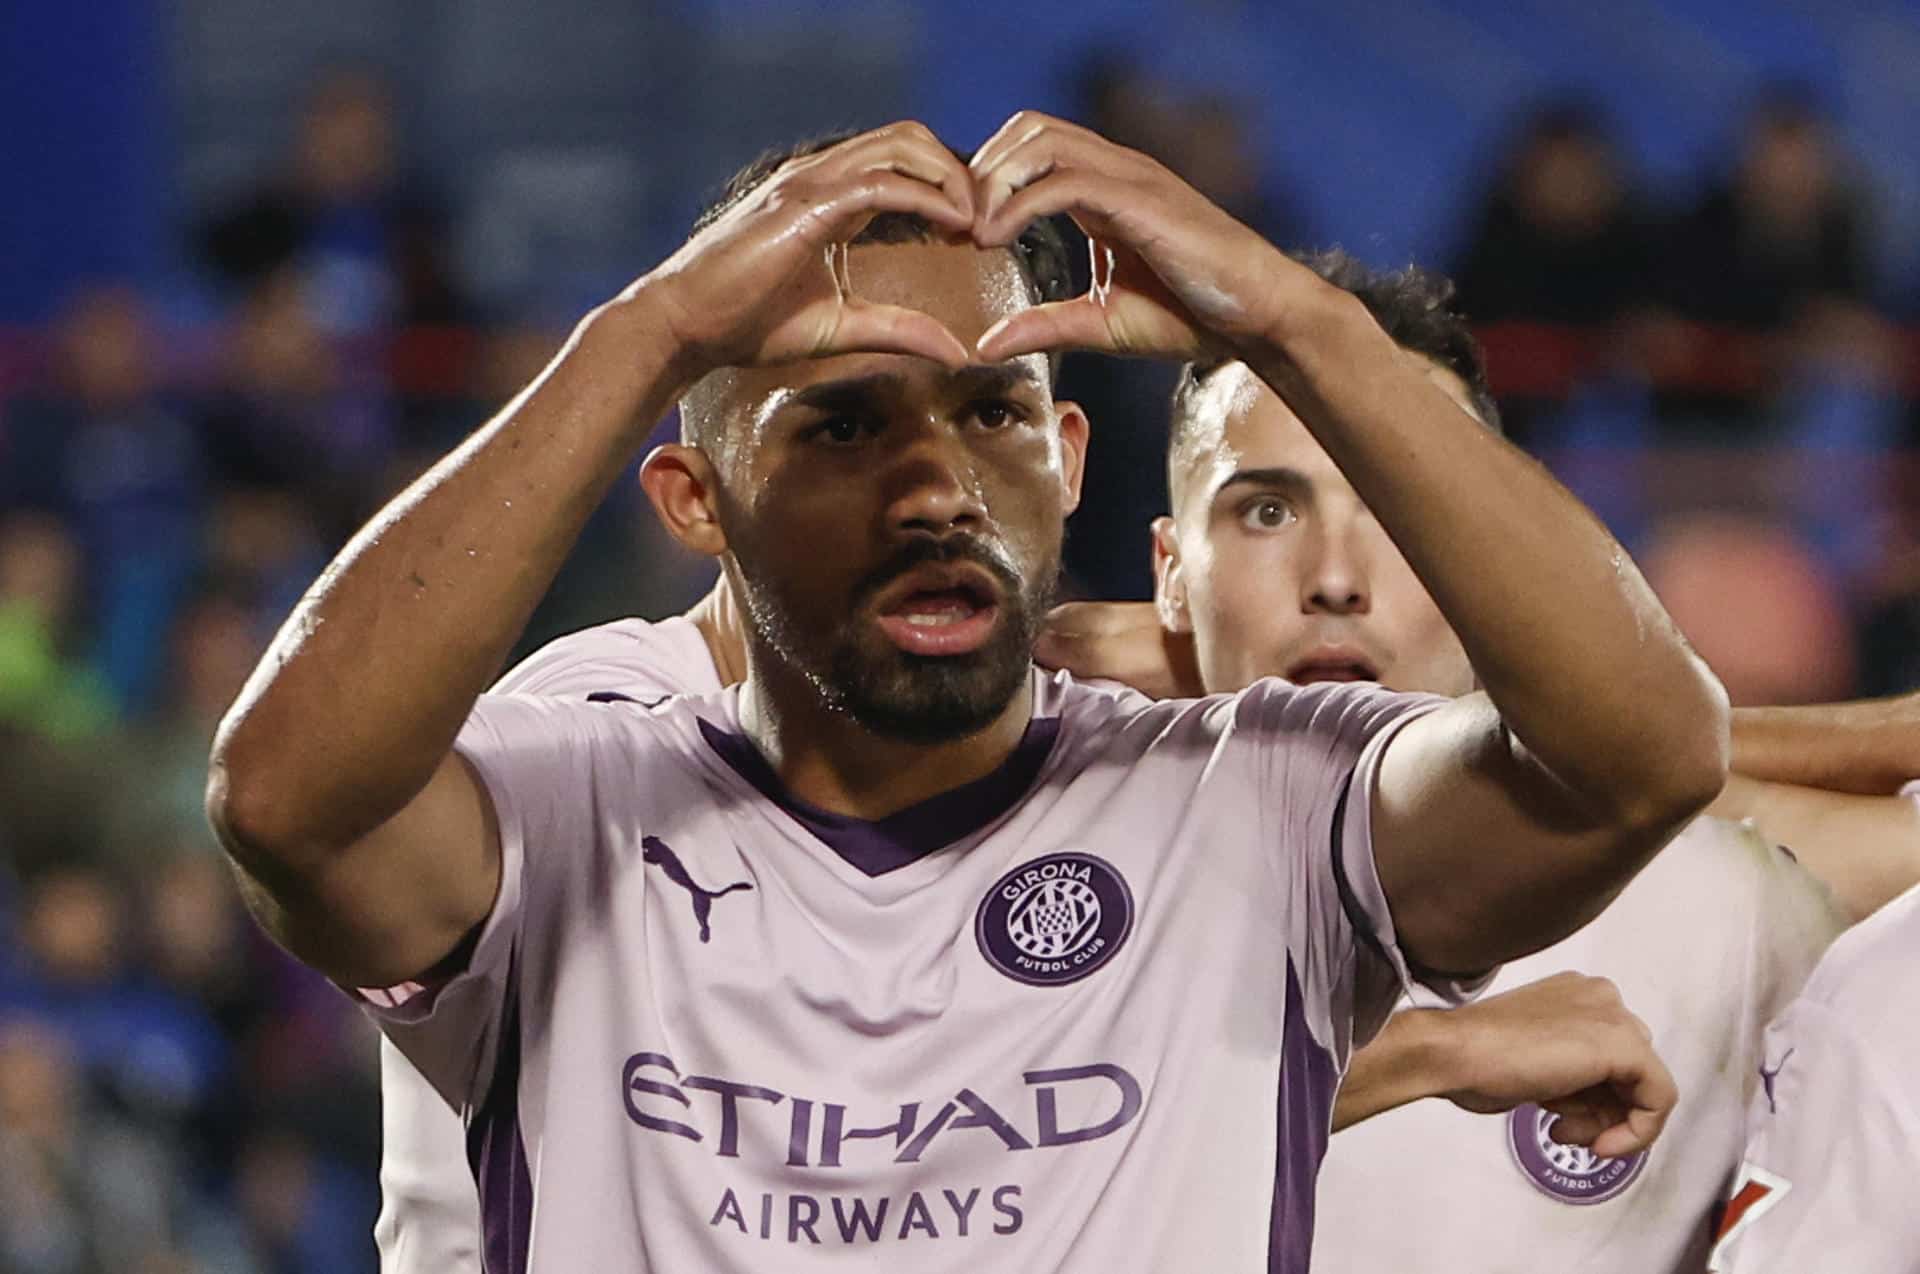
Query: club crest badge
x=1571, y=1174
x=1055, y=919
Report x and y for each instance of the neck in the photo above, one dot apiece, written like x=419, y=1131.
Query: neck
x=829, y=760
x=718, y=619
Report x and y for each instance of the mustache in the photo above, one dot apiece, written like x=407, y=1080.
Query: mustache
x=960, y=547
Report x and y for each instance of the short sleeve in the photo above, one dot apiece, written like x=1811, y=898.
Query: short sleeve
x=1324, y=745
x=535, y=759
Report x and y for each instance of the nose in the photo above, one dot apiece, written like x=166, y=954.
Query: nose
x=1335, y=579
x=933, y=486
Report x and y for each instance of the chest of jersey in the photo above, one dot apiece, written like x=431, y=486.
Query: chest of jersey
x=1077, y=1012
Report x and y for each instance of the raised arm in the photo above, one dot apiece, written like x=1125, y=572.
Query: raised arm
x=1870, y=747
x=366, y=845
x=1506, y=820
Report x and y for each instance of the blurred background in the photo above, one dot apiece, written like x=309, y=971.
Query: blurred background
x=265, y=262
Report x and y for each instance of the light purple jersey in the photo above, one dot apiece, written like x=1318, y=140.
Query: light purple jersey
x=1086, y=1013
x=1833, y=1135
x=429, y=1211
x=1707, y=944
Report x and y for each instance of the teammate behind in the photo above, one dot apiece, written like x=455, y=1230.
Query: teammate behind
x=1273, y=563
x=1833, y=1134
x=1058, y=975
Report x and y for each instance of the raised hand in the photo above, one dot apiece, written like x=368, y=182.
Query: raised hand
x=1119, y=641
x=1173, y=275
x=767, y=282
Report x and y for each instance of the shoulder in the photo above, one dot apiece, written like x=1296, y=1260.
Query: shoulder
x=631, y=657
x=1871, y=977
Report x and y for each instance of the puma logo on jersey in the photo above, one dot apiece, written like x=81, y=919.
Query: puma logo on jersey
x=654, y=850
x=1768, y=1076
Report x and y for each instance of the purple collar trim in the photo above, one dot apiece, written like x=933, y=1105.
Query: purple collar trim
x=878, y=846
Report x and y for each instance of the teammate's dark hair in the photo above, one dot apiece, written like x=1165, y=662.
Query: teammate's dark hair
x=1414, y=306
x=1040, y=251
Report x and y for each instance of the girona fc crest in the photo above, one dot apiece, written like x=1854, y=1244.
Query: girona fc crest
x=1054, y=920
x=1571, y=1174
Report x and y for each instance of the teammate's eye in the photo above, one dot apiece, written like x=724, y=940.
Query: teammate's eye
x=1266, y=513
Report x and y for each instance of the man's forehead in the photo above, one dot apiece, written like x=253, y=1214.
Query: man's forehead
x=1250, y=427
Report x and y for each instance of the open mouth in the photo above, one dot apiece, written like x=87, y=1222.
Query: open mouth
x=1332, y=668
x=940, y=611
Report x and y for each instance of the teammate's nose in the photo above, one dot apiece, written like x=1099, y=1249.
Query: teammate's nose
x=1335, y=579
x=934, y=487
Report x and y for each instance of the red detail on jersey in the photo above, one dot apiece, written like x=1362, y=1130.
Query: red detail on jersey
x=1740, y=1204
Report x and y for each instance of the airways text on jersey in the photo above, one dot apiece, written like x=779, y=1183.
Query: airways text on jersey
x=813, y=1133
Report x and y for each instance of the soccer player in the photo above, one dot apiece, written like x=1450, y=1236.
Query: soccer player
x=1833, y=1135
x=1271, y=563
x=900, y=948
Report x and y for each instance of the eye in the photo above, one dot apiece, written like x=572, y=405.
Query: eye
x=1265, y=513
x=995, y=413
x=837, y=431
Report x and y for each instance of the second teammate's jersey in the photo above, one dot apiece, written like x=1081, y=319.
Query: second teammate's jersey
x=1833, y=1134
x=1706, y=945
x=429, y=1210
x=1084, y=1014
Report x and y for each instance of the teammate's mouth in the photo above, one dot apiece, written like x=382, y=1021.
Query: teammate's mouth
x=940, y=610
x=1332, y=665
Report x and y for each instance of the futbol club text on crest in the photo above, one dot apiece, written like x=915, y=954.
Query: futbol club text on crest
x=1055, y=919
x=1571, y=1174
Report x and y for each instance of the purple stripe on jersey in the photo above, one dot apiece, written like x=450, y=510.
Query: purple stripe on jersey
x=498, y=1156
x=1308, y=1080
x=878, y=846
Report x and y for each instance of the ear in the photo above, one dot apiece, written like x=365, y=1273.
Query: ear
x=684, y=489
x=1169, y=578
x=1074, y=431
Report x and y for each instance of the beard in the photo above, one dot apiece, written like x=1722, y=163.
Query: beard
x=901, y=696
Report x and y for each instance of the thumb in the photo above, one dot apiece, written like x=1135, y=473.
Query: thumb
x=863, y=327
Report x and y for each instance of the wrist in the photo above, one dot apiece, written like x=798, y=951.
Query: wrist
x=1430, y=1065
x=636, y=330
x=1302, y=309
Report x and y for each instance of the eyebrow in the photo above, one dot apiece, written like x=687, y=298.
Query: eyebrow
x=969, y=382
x=1280, y=478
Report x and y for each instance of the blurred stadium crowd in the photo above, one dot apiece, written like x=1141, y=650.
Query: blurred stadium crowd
x=1724, y=377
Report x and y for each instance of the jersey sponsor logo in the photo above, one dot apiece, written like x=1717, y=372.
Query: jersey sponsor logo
x=1054, y=920
x=1756, y=1192
x=1067, y=1106
x=654, y=851
x=1570, y=1174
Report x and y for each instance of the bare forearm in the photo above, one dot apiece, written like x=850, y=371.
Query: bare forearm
x=362, y=692
x=1399, y=1066
x=1871, y=748
x=1555, y=618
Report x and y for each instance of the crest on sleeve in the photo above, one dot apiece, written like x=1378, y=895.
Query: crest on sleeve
x=1054, y=920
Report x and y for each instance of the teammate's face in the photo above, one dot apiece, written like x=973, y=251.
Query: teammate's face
x=896, y=526
x=1278, y=569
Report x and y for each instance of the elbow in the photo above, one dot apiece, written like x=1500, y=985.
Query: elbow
x=1687, y=768
x=252, y=816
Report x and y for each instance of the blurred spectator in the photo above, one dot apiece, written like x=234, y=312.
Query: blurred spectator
x=369, y=247
x=1757, y=605
x=81, y=1192
x=45, y=690
x=288, y=416
x=1786, y=227
x=1559, y=238
x=106, y=450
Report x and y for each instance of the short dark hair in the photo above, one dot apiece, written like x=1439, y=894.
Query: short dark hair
x=1414, y=307
x=1040, y=251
